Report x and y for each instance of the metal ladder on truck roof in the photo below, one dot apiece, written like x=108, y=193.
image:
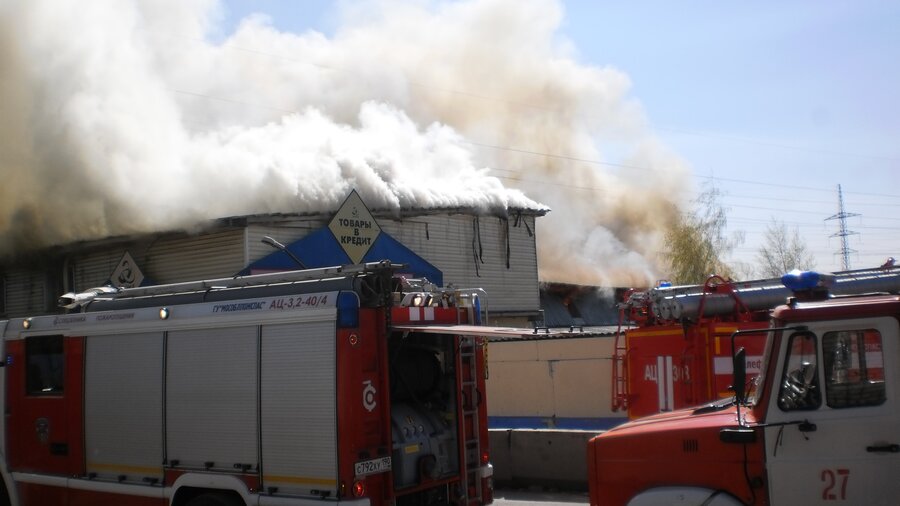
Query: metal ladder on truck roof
x=469, y=422
x=619, y=398
x=620, y=373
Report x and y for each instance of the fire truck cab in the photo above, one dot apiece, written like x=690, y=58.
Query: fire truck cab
x=819, y=425
x=305, y=387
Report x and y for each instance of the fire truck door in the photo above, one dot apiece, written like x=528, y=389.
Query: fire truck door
x=834, y=390
x=45, y=400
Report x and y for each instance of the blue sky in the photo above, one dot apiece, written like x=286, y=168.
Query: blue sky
x=773, y=103
x=794, y=98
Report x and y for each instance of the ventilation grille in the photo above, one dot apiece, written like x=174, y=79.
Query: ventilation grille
x=690, y=445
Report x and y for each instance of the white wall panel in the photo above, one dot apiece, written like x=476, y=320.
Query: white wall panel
x=446, y=241
x=285, y=233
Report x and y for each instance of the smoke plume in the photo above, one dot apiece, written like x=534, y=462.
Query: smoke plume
x=121, y=116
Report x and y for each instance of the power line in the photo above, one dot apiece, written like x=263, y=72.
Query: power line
x=730, y=195
x=500, y=100
x=522, y=150
x=281, y=110
x=258, y=52
x=651, y=169
x=760, y=142
x=801, y=224
x=727, y=205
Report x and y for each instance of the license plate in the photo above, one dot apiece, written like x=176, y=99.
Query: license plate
x=373, y=466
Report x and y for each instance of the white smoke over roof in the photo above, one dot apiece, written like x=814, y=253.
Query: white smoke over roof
x=125, y=116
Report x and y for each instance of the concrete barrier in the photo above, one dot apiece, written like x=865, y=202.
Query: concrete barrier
x=540, y=458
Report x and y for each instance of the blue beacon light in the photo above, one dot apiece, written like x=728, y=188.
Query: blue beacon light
x=800, y=281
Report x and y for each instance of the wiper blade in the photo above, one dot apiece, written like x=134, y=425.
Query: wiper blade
x=714, y=406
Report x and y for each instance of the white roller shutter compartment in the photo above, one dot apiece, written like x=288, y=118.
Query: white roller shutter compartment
x=123, y=406
x=299, y=433
x=211, y=393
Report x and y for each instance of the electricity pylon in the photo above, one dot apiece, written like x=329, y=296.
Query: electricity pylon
x=842, y=216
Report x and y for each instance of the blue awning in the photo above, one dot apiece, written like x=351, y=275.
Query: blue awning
x=320, y=249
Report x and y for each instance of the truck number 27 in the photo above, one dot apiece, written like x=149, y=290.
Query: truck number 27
x=830, y=478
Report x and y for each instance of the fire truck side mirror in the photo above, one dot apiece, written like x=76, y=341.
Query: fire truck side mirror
x=739, y=379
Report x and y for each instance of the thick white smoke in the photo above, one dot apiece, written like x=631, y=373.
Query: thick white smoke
x=123, y=116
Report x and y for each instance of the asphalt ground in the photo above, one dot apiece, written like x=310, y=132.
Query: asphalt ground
x=521, y=497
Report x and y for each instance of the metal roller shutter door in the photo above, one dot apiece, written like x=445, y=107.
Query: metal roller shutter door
x=299, y=421
x=123, y=406
x=211, y=392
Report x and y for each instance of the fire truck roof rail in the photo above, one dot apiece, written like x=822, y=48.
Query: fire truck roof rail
x=256, y=280
x=660, y=293
x=764, y=297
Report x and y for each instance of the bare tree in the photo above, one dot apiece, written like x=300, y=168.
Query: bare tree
x=697, y=243
x=783, y=251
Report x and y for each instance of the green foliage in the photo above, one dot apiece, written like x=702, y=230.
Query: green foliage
x=696, y=243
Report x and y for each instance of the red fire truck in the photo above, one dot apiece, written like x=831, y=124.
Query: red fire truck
x=817, y=426
x=677, y=354
x=340, y=385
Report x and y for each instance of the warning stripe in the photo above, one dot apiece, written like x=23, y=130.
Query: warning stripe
x=124, y=469
x=300, y=480
x=665, y=383
x=418, y=314
x=651, y=333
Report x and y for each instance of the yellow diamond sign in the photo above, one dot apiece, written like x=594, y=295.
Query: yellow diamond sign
x=354, y=228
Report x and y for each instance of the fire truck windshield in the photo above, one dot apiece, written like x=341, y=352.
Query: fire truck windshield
x=758, y=384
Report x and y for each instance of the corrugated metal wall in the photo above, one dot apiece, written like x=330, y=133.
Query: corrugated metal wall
x=165, y=260
x=26, y=292
x=94, y=269
x=284, y=232
x=450, y=242
x=471, y=252
x=204, y=256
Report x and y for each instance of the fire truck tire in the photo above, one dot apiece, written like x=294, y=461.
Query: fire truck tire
x=216, y=499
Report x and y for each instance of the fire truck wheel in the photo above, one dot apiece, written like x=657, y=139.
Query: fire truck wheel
x=216, y=499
